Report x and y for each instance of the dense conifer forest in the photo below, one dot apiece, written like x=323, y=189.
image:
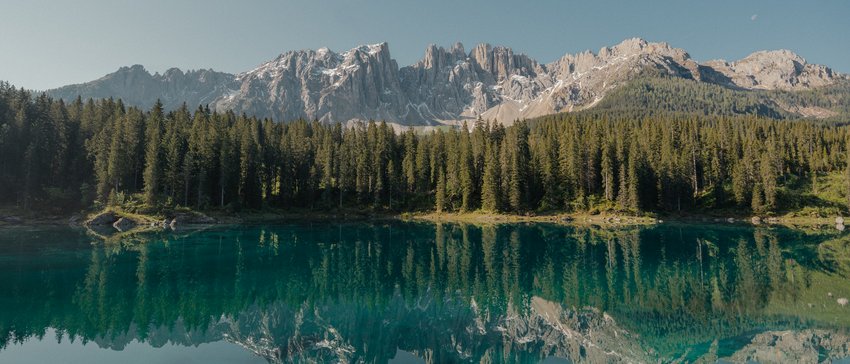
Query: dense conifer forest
x=57, y=156
x=653, y=94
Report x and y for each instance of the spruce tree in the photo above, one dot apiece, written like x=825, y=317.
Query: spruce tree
x=768, y=181
x=153, y=154
x=490, y=180
x=465, y=170
x=634, y=180
x=408, y=164
x=847, y=171
x=440, y=199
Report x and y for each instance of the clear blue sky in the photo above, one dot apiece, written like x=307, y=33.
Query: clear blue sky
x=45, y=44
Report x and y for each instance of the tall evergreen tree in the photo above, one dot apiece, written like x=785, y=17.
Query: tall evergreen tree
x=153, y=174
x=490, y=180
x=466, y=170
x=440, y=199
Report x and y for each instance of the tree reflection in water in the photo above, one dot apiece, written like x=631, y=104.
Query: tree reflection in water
x=445, y=293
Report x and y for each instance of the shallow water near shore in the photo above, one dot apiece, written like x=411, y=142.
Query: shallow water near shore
x=420, y=292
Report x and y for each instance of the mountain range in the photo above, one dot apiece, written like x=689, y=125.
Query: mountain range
x=450, y=85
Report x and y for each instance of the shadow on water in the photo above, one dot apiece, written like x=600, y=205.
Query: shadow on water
x=415, y=292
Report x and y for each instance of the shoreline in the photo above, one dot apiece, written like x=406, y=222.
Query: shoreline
x=577, y=219
x=477, y=217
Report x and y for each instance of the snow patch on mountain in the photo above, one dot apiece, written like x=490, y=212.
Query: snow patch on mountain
x=448, y=85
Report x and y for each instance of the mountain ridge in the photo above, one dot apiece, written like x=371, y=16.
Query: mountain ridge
x=447, y=85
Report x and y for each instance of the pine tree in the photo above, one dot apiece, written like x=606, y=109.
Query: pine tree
x=409, y=162
x=465, y=170
x=175, y=151
x=847, y=170
x=62, y=136
x=517, y=160
x=440, y=199
x=153, y=154
x=623, y=188
x=565, y=165
x=249, y=186
x=392, y=183
x=740, y=183
x=118, y=155
x=347, y=165
x=768, y=181
x=490, y=180
x=757, y=203
x=423, y=166
x=326, y=155
x=198, y=159
x=229, y=159
x=134, y=139
x=634, y=187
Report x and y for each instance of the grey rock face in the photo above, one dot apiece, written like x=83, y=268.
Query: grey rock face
x=103, y=219
x=774, y=70
x=445, y=86
x=136, y=86
x=464, y=333
x=362, y=83
x=806, y=346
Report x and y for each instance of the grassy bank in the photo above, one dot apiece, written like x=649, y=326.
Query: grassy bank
x=558, y=218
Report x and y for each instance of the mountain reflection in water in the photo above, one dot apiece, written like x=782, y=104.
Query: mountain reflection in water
x=437, y=293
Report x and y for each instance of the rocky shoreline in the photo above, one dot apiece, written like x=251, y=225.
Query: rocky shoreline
x=124, y=222
x=112, y=221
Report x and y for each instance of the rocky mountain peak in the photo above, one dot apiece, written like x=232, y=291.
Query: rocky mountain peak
x=501, y=62
x=457, y=48
x=374, y=49
x=773, y=70
x=135, y=68
x=361, y=83
x=626, y=47
x=779, y=55
x=448, y=85
x=438, y=57
x=173, y=72
x=641, y=47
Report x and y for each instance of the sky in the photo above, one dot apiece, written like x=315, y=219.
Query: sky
x=46, y=44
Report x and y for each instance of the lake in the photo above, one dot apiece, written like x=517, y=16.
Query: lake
x=416, y=292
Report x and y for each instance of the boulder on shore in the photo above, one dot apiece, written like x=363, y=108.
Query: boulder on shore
x=11, y=219
x=191, y=219
x=124, y=224
x=103, y=219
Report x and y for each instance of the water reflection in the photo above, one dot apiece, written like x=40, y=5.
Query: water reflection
x=440, y=293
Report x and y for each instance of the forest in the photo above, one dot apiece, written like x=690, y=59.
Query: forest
x=656, y=94
x=84, y=154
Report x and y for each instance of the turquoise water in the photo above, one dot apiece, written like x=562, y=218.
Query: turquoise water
x=414, y=292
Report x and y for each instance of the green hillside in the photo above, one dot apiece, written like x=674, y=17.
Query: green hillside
x=657, y=94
